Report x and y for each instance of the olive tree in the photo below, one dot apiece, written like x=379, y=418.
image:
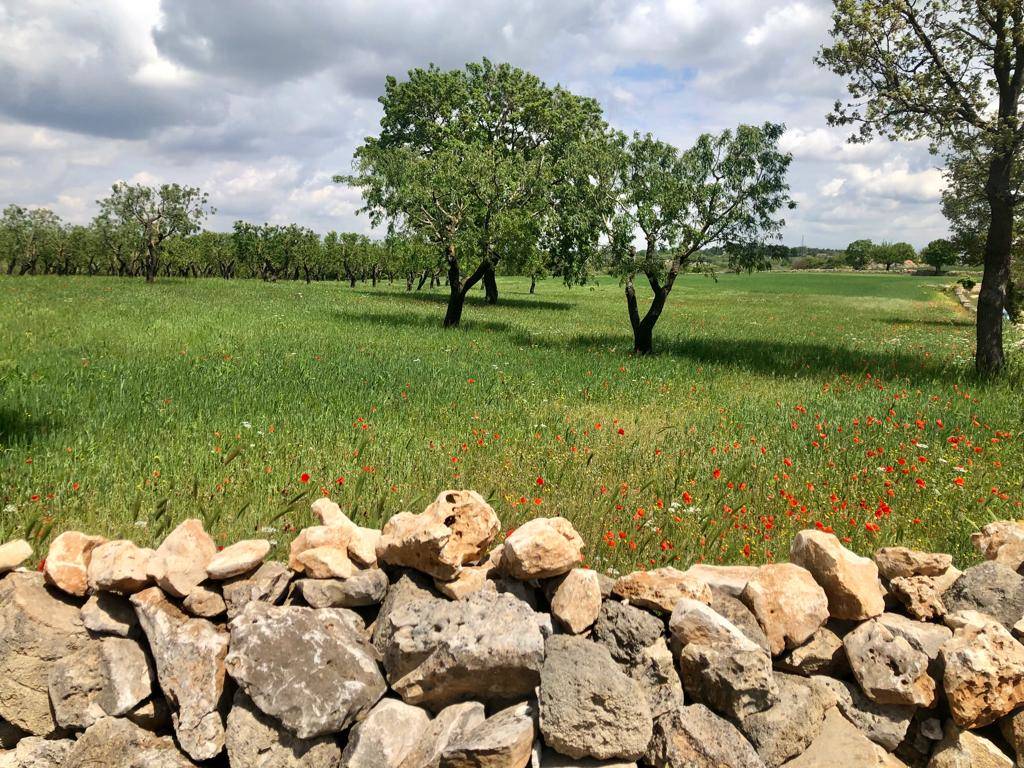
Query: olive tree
x=951, y=72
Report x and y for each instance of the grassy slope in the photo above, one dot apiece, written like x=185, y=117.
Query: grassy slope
x=126, y=407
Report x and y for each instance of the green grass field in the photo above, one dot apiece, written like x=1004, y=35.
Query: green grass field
x=775, y=402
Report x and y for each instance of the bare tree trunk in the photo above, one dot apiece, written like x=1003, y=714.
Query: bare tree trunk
x=996, y=278
x=490, y=284
x=533, y=284
x=151, y=265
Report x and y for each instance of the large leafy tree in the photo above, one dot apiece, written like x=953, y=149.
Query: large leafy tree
x=939, y=253
x=465, y=157
x=952, y=72
x=859, y=253
x=726, y=190
x=156, y=213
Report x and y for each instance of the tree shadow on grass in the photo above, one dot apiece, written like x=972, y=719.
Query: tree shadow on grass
x=472, y=300
x=954, y=322
x=18, y=429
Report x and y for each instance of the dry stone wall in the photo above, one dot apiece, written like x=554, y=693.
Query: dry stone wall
x=423, y=645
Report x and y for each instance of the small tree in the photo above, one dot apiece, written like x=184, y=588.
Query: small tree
x=157, y=213
x=939, y=253
x=859, y=253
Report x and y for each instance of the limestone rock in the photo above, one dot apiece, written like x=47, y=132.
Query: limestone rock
x=733, y=682
x=887, y=667
x=577, y=600
x=841, y=745
x=551, y=759
x=455, y=530
x=730, y=579
x=106, y=613
x=963, y=749
x=34, y=752
x=237, y=560
x=108, y=677
x=205, y=602
x=364, y=588
x=488, y=647
x=119, y=566
x=390, y=731
x=1012, y=729
x=1001, y=541
x=37, y=629
x=656, y=673
x=542, y=548
x=255, y=740
x=326, y=563
x=925, y=637
x=921, y=596
x=735, y=611
x=787, y=728
x=695, y=737
x=267, y=585
x=695, y=622
x=821, y=655
x=269, y=643
x=411, y=587
x=991, y=588
x=362, y=547
x=321, y=537
x=451, y=724
x=884, y=724
x=504, y=740
x=13, y=554
x=788, y=603
x=983, y=673
x=179, y=564
x=661, y=588
x=588, y=707
x=67, y=562
x=189, y=655
x=626, y=631
x=902, y=562
x=849, y=580
x=472, y=578
x=118, y=743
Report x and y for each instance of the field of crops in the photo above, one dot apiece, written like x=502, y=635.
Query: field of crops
x=774, y=402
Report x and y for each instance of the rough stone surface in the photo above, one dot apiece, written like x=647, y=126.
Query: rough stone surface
x=921, y=596
x=179, y=564
x=841, y=745
x=205, y=602
x=626, y=631
x=326, y=563
x=542, y=548
x=267, y=585
x=822, y=654
x=106, y=613
x=788, y=603
x=189, y=655
x=884, y=724
x=887, y=667
x=588, y=707
x=451, y=724
x=849, y=580
x=237, y=560
x=504, y=740
x=1012, y=729
x=455, y=530
x=472, y=578
x=902, y=562
x=13, y=554
x=695, y=622
x=268, y=643
x=390, y=731
x=963, y=749
x=34, y=752
x=577, y=601
x=733, y=682
x=735, y=611
x=1001, y=541
x=118, y=743
x=660, y=589
x=991, y=588
x=109, y=677
x=364, y=588
x=322, y=537
x=37, y=629
x=255, y=740
x=695, y=737
x=983, y=673
x=551, y=759
x=730, y=579
x=785, y=729
x=67, y=562
x=488, y=647
x=119, y=566
x=925, y=637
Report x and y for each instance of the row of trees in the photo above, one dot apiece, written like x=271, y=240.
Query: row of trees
x=937, y=254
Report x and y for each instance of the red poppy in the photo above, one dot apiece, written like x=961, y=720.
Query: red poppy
x=304, y=477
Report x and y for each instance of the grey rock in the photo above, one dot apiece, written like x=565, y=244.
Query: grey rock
x=189, y=655
x=255, y=740
x=841, y=745
x=390, y=731
x=107, y=613
x=35, y=752
x=924, y=636
x=206, y=602
x=888, y=668
x=626, y=631
x=733, y=682
x=963, y=749
x=364, y=588
x=267, y=585
x=272, y=645
x=695, y=737
x=821, y=655
x=38, y=628
x=732, y=608
x=409, y=587
x=504, y=740
x=118, y=743
x=991, y=588
x=656, y=673
x=451, y=724
x=588, y=706
x=787, y=728
x=488, y=647
x=884, y=724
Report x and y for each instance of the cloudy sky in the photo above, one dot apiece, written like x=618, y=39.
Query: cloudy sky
x=261, y=101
